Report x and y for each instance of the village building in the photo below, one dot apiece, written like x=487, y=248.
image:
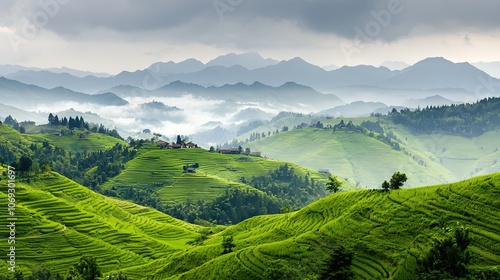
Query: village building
x=230, y=151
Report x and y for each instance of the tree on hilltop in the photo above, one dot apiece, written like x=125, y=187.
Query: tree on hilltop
x=397, y=180
x=333, y=184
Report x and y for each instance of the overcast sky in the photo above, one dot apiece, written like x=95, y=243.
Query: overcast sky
x=114, y=35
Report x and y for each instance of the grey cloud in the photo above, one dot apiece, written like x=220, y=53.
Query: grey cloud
x=190, y=18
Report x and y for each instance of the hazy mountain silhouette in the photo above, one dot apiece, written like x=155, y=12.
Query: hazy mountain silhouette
x=20, y=95
x=431, y=74
x=248, y=60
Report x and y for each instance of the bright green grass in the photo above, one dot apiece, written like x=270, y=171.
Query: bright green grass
x=91, y=143
x=349, y=155
x=464, y=157
x=385, y=231
x=162, y=170
x=59, y=221
x=73, y=143
x=292, y=121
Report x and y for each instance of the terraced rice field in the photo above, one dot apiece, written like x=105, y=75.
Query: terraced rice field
x=59, y=221
x=162, y=170
x=73, y=143
x=386, y=231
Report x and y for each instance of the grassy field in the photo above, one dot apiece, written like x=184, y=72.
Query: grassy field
x=58, y=221
x=464, y=157
x=387, y=232
x=74, y=143
x=91, y=142
x=162, y=170
x=354, y=156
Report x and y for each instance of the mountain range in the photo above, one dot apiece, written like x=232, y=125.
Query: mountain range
x=22, y=95
x=430, y=74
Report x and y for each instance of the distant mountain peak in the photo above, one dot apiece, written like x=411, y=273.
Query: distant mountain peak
x=433, y=61
x=247, y=60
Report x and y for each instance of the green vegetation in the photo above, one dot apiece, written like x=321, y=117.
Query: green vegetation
x=397, y=181
x=191, y=184
x=468, y=120
x=333, y=184
x=387, y=233
x=448, y=257
x=355, y=157
x=223, y=189
x=59, y=221
x=77, y=141
x=86, y=269
x=227, y=244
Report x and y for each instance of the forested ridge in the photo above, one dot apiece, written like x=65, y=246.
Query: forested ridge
x=468, y=120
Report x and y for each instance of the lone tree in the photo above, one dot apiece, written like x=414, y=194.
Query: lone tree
x=25, y=163
x=333, y=184
x=227, y=244
x=397, y=180
x=386, y=186
x=86, y=269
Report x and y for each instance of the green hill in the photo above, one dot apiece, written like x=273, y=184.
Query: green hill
x=75, y=141
x=356, y=156
x=78, y=141
x=387, y=232
x=162, y=171
x=463, y=157
x=58, y=221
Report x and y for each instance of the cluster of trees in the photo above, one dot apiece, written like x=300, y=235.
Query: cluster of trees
x=337, y=266
x=289, y=188
x=234, y=206
x=370, y=128
x=396, y=182
x=467, y=120
x=80, y=123
x=89, y=169
x=227, y=244
x=449, y=258
x=71, y=123
x=373, y=126
x=9, y=120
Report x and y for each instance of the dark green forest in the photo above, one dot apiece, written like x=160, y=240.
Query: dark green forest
x=468, y=120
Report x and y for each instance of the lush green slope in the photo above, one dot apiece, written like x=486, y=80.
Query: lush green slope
x=464, y=157
x=79, y=141
x=162, y=170
x=386, y=231
x=58, y=221
x=351, y=155
x=71, y=142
